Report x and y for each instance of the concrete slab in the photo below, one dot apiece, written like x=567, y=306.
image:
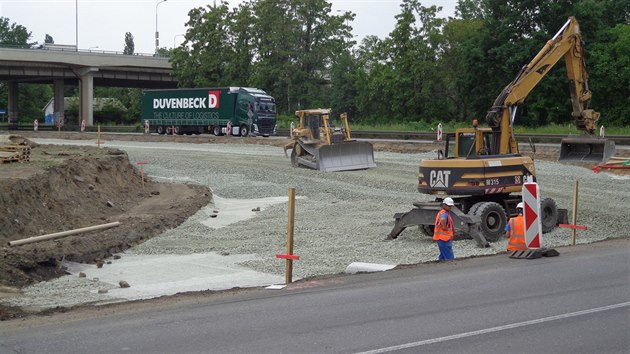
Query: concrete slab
x=152, y=276
x=234, y=210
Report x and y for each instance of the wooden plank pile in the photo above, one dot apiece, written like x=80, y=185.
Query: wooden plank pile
x=11, y=151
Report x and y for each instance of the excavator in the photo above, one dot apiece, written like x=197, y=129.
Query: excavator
x=319, y=145
x=482, y=169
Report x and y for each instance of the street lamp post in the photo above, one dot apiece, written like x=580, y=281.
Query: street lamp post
x=177, y=35
x=76, y=24
x=157, y=34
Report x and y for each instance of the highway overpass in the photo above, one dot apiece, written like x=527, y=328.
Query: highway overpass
x=85, y=69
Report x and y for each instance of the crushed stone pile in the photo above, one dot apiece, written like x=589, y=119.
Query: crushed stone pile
x=340, y=217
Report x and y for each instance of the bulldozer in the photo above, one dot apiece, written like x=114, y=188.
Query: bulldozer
x=482, y=168
x=317, y=144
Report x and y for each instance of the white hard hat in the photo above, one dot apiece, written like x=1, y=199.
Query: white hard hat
x=519, y=205
x=448, y=201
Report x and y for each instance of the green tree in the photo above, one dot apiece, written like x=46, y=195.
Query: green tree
x=13, y=34
x=403, y=81
x=371, y=61
x=241, y=41
x=610, y=76
x=129, y=45
x=511, y=34
x=203, y=58
x=296, y=43
x=461, y=49
x=31, y=100
x=125, y=108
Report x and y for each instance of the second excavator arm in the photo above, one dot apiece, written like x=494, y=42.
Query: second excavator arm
x=566, y=43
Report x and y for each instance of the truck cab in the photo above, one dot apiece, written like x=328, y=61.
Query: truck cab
x=256, y=109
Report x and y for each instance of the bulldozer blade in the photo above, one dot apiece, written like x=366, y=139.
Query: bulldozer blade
x=586, y=149
x=345, y=156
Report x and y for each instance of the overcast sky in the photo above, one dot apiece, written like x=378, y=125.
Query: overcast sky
x=102, y=24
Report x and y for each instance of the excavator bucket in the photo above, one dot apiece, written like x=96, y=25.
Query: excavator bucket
x=346, y=156
x=586, y=149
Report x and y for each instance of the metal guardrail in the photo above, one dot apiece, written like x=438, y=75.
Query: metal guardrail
x=70, y=48
x=431, y=136
x=76, y=128
x=359, y=134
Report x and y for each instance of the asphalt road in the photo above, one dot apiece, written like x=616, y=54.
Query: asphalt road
x=578, y=302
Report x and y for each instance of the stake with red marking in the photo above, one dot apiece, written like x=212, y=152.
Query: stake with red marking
x=141, y=172
x=574, y=226
x=289, y=256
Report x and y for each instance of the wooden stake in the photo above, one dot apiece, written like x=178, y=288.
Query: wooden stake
x=142, y=176
x=575, y=205
x=98, y=139
x=141, y=173
x=290, y=226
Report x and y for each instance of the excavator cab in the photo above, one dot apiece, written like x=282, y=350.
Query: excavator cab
x=318, y=144
x=469, y=143
x=472, y=142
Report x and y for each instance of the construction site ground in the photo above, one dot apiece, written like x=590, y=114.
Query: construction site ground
x=68, y=187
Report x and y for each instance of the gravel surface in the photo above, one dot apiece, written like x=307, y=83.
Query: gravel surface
x=341, y=217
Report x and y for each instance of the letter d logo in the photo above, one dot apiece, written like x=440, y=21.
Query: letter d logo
x=213, y=99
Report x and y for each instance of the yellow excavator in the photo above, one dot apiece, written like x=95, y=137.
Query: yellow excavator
x=567, y=44
x=482, y=169
x=319, y=145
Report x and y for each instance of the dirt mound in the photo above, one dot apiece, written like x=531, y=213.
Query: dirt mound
x=67, y=187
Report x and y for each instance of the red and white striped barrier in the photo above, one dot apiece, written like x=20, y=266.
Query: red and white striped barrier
x=439, y=132
x=531, y=214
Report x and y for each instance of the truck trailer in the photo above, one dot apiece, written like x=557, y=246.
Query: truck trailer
x=217, y=110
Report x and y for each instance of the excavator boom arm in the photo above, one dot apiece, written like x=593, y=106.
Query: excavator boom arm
x=567, y=44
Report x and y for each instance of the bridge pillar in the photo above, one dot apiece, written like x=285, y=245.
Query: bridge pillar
x=59, y=104
x=13, y=105
x=86, y=91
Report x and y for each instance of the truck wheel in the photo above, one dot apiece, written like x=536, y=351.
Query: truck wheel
x=216, y=130
x=548, y=214
x=179, y=130
x=160, y=129
x=243, y=130
x=493, y=220
x=168, y=131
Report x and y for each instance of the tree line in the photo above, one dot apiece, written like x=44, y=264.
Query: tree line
x=427, y=68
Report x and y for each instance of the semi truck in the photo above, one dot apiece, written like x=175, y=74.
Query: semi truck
x=238, y=111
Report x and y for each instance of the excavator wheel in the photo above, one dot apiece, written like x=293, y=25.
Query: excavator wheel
x=548, y=214
x=474, y=207
x=493, y=220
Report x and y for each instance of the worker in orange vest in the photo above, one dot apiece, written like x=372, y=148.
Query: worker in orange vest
x=444, y=230
x=515, y=231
